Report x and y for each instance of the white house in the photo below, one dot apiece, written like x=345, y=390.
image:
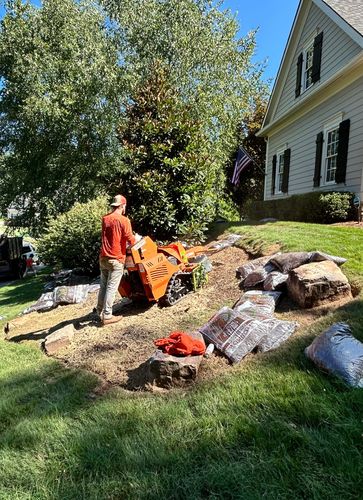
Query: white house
x=314, y=121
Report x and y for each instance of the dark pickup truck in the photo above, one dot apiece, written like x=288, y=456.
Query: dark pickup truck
x=12, y=262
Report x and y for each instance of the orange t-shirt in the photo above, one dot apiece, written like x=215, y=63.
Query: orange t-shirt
x=116, y=232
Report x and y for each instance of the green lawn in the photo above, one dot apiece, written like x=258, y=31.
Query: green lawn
x=17, y=295
x=273, y=427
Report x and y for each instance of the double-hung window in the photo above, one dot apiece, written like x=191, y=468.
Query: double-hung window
x=308, y=66
x=330, y=151
x=280, y=170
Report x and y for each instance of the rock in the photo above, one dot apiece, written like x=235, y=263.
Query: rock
x=317, y=283
x=59, y=339
x=164, y=370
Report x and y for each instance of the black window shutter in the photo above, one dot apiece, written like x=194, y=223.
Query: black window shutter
x=342, y=151
x=299, y=66
x=273, y=180
x=286, y=172
x=318, y=157
x=318, y=46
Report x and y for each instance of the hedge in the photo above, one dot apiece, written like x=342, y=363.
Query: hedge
x=318, y=207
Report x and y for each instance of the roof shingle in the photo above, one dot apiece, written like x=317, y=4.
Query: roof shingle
x=350, y=10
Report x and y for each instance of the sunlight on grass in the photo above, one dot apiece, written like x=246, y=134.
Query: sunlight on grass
x=17, y=295
x=296, y=236
x=271, y=427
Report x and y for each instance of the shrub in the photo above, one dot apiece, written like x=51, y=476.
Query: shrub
x=335, y=207
x=73, y=238
x=318, y=207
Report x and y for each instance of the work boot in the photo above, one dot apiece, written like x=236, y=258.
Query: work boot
x=111, y=319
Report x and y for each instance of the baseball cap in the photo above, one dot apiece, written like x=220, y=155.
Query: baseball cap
x=118, y=200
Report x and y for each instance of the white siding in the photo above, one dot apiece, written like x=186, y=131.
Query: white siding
x=301, y=135
x=338, y=50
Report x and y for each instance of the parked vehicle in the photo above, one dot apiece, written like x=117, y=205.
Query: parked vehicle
x=28, y=250
x=12, y=262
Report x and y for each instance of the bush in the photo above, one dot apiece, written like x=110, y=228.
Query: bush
x=318, y=207
x=73, y=239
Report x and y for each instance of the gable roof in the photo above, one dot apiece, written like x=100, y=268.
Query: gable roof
x=342, y=12
x=349, y=10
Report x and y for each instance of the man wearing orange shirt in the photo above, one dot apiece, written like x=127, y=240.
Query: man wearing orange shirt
x=116, y=233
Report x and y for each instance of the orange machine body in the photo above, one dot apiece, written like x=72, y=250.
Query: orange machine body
x=149, y=268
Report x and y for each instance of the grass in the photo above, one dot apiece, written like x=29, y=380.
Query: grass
x=296, y=236
x=272, y=427
x=17, y=295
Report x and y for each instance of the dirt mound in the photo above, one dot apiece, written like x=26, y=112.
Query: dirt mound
x=117, y=353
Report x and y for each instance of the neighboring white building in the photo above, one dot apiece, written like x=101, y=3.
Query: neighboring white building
x=314, y=121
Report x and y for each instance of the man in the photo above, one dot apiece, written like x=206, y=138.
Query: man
x=116, y=233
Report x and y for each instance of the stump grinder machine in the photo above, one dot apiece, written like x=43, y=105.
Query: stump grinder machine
x=163, y=274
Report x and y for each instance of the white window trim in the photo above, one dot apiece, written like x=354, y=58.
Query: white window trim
x=328, y=127
x=280, y=152
x=307, y=46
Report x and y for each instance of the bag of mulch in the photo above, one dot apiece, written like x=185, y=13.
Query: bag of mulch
x=44, y=303
x=290, y=260
x=94, y=287
x=278, y=331
x=204, y=261
x=235, y=334
x=275, y=281
x=233, y=238
x=251, y=266
x=229, y=241
x=216, y=246
x=336, y=351
x=257, y=276
x=320, y=256
x=257, y=303
x=70, y=294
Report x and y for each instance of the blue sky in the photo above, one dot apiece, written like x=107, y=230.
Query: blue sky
x=273, y=18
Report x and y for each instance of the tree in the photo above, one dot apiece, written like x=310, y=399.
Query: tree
x=251, y=181
x=169, y=178
x=209, y=71
x=59, y=106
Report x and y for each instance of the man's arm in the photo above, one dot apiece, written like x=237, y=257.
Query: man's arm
x=128, y=231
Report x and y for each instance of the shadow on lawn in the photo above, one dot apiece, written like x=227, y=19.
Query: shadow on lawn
x=21, y=291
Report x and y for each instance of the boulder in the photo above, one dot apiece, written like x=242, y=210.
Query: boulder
x=59, y=339
x=317, y=283
x=164, y=370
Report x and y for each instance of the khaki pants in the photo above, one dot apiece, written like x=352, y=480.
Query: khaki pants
x=111, y=274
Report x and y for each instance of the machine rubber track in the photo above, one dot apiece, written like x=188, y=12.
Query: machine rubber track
x=178, y=287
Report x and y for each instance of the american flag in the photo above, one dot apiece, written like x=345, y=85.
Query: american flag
x=242, y=161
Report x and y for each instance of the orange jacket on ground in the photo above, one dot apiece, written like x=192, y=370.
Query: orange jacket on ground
x=116, y=232
x=181, y=344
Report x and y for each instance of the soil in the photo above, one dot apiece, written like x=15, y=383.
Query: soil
x=117, y=353
x=352, y=223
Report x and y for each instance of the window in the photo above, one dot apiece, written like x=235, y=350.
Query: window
x=330, y=151
x=332, y=140
x=280, y=170
x=308, y=66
